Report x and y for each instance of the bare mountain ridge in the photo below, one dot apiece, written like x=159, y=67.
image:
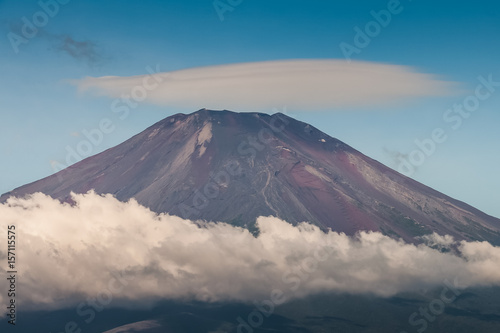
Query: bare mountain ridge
x=233, y=167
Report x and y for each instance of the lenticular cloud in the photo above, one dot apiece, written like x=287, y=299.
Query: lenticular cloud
x=101, y=246
x=307, y=84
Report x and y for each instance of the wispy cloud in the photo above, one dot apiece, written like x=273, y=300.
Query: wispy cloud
x=300, y=84
x=71, y=252
x=85, y=50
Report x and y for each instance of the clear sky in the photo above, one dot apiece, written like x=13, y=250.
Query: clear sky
x=42, y=111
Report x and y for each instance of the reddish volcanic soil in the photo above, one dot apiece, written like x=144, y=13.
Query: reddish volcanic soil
x=234, y=167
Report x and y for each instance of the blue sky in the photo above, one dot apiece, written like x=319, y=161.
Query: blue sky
x=42, y=112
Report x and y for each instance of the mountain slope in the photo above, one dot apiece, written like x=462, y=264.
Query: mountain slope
x=234, y=167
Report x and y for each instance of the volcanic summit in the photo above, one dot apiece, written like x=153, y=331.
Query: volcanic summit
x=233, y=167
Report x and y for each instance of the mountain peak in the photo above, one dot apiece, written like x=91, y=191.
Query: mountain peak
x=233, y=167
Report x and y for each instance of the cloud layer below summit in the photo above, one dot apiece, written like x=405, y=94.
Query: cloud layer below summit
x=105, y=249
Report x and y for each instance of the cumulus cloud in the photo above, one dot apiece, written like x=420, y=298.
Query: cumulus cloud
x=260, y=86
x=69, y=253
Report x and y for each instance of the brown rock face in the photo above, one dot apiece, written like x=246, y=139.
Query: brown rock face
x=234, y=167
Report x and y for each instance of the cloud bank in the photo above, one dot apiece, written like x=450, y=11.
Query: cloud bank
x=260, y=86
x=71, y=253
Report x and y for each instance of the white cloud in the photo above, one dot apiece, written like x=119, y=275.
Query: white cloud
x=261, y=86
x=69, y=253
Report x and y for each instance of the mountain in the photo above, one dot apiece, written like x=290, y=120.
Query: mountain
x=234, y=167
x=477, y=310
